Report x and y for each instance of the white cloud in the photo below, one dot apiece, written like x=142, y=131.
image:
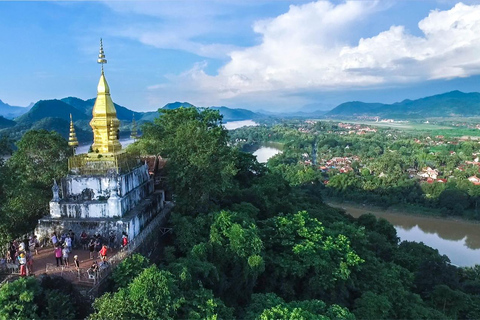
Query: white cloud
x=307, y=49
x=180, y=25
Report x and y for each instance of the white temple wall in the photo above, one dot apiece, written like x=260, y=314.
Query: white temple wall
x=132, y=224
x=98, y=187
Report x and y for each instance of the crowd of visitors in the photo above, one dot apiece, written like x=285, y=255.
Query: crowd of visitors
x=20, y=253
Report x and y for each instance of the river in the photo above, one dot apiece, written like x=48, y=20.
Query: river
x=84, y=148
x=232, y=125
x=265, y=152
x=459, y=240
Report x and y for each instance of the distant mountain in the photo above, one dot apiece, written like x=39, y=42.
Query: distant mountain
x=450, y=104
x=229, y=114
x=123, y=114
x=315, y=107
x=62, y=126
x=237, y=114
x=51, y=109
x=10, y=112
x=77, y=103
x=6, y=123
x=355, y=108
x=176, y=105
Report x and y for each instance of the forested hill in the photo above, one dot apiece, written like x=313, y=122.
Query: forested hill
x=450, y=104
x=82, y=110
x=5, y=123
x=10, y=112
x=229, y=114
x=55, y=115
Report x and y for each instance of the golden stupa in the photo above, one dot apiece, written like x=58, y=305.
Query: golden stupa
x=106, y=153
x=105, y=124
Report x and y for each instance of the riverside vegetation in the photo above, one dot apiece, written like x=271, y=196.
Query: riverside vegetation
x=425, y=169
x=256, y=242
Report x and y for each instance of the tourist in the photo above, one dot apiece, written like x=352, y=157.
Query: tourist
x=62, y=238
x=22, y=260
x=58, y=254
x=68, y=243
x=76, y=262
x=124, y=240
x=37, y=244
x=71, y=234
x=84, y=240
x=111, y=240
x=98, y=243
x=91, y=248
x=92, y=271
x=25, y=244
x=31, y=244
x=54, y=239
x=29, y=263
x=65, y=252
x=103, y=253
x=13, y=252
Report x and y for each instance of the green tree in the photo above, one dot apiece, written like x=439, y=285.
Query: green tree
x=40, y=158
x=154, y=294
x=27, y=298
x=18, y=299
x=298, y=250
x=270, y=306
x=200, y=164
x=128, y=269
x=371, y=306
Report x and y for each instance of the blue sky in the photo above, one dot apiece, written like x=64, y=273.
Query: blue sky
x=270, y=55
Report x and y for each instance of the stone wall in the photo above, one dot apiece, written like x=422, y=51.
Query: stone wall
x=132, y=223
x=87, y=188
x=100, y=197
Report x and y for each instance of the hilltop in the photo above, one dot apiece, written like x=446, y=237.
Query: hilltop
x=55, y=115
x=9, y=112
x=450, y=104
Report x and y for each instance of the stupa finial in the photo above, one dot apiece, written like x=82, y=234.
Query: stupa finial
x=101, y=55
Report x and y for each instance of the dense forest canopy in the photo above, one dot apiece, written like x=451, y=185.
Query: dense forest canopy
x=257, y=242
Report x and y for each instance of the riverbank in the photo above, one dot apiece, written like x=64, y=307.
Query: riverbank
x=409, y=210
x=357, y=210
x=457, y=238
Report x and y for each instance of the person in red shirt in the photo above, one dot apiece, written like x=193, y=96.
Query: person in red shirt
x=58, y=255
x=103, y=253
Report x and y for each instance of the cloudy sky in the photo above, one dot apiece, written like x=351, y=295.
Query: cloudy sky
x=262, y=55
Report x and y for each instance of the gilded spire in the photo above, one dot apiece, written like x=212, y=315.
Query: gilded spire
x=72, y=138
x=101, y=55
x=134, y=133
x=105, y=123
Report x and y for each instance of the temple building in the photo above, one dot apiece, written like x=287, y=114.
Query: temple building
x=106, y=190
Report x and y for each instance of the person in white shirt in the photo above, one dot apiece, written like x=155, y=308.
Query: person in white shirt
x=68, y=243
x=54, y=239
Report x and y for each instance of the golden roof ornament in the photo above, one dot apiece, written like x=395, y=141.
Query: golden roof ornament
x=104, y=122
x=72, y=138
x=101, y=55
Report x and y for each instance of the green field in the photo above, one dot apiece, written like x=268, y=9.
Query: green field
x=435, y=129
